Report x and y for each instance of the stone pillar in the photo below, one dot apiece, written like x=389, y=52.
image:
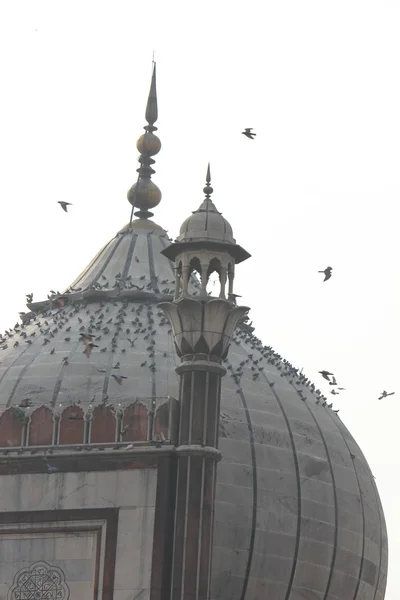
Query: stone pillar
x=202, y=333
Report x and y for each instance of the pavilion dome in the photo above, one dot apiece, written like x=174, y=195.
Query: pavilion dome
x=206, y=224
x=297, y=514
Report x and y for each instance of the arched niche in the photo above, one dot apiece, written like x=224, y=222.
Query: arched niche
x=72, y=426
x=135, y=423
x=41, y=427
x=166, y=420
x=12, y=427
x=103, y=425
x=161, y=421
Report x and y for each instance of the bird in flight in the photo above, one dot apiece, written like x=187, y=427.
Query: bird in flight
x=248, y=133
x=385, y=394
x=89, y=348
x=326, y=374
x=64, y=205
x=333, y=382
x=327, y=272
x=86, y=338
x=119, y=378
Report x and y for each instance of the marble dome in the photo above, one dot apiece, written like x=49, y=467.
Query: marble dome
x=298, y=515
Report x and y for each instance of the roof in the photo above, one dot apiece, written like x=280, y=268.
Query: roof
x=295, y=497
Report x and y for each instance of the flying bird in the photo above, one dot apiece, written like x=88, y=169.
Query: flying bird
x=385, y=394
x=325, y=374
x=86, y=338
x=89, y=348
x=333, y=382
x=119, y=378
x=327, y=272
x=64, y=205
x=248, y=133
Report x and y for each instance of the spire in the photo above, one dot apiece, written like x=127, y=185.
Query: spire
x=152, y=108
x=144, y=194
x=208, y=190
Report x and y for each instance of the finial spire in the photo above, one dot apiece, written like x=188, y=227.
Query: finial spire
x=144, y=194
x=208, y=190
x=151, y=108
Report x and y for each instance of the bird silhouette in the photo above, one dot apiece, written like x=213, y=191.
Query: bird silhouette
x=325, y=374
x=25, y=403
x=64, y=205
x=327, y=272
x=89, y=348
x=248, y=133
x=51, y=468
x=333, y=382
x=119, y=378
x=385, y=394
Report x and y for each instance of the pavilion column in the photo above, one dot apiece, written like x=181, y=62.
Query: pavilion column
x=202, y=333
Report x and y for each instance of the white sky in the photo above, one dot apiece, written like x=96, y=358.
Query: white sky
x=319, y=82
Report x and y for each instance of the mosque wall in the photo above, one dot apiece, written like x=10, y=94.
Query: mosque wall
x=83, y=534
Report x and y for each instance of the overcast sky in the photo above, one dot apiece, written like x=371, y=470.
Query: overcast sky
x=319, y=186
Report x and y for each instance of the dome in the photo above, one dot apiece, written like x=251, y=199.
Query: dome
x=206, y=224
x=297, y=514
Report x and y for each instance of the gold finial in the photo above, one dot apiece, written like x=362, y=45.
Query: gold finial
x=144, y=194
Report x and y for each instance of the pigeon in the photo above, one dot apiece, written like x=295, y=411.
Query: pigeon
x=325, y=374
x=86, y=338
x=327, y=272
x=116, y=366
x=129, y=447
x=75, y=417
x=333, y=382
x=119, y=378
x=248, y=133
x=51, y=468
x=64, y=205
x=89, y=348
x=25, y=403
x=385, y=394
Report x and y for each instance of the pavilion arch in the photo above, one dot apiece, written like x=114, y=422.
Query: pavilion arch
x=71, y=429
x=41, y=430
x=103, y=425
x=135, y=423
x=12, y=427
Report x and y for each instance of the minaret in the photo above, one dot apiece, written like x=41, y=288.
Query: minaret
x=144, y=194
x=202, y=329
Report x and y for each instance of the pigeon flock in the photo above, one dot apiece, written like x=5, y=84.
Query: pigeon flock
x=328, y=274
x=87, y=339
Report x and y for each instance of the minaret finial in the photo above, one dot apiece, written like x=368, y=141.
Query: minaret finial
x=151, y=108
x=144, y=194
x=208, y=190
